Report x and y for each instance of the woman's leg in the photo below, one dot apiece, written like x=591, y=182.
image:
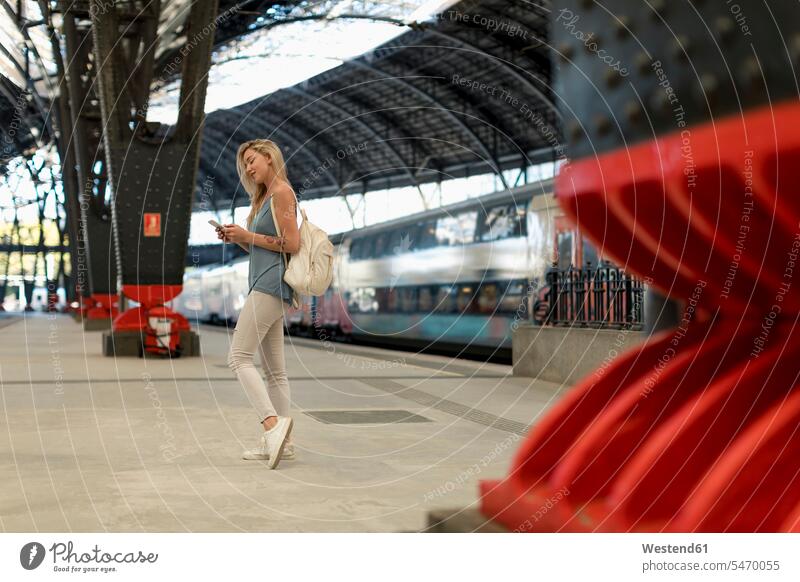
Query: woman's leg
x=274, y=363
x=260, y=313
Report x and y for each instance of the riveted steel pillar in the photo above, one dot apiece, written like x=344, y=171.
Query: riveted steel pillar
x=153, y=180
x=96, y=264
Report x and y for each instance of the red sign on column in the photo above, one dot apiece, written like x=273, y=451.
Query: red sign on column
x=152, y=224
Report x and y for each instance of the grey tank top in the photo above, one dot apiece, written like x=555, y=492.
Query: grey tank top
x=267, y=267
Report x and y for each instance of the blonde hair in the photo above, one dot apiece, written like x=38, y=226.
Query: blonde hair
x=257, y=192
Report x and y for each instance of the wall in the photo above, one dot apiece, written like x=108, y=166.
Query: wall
x=563, y=354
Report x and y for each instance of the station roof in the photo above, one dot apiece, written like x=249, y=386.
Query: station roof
x=28, y=70
x=465, y=93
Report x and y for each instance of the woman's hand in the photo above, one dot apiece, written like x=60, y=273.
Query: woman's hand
x=236, y=234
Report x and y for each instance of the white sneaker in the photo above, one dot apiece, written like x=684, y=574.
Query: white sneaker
x=260, y=453
x=272, y=443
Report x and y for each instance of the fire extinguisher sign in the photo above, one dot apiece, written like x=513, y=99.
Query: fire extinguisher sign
x=152, y=224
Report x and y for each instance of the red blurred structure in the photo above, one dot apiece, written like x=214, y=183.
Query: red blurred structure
x=101, y=306
x=697, y=428
x=159, y=326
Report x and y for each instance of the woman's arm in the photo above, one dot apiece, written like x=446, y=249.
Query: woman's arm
x=242, y=237
x=289, y=242
x=269, y=242
x=286, y=216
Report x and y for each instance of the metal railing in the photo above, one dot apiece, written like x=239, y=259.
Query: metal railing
x=599, y=297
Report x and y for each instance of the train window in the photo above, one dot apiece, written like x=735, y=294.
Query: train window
x=487, y=298
x=426, y=296
x=395, y=238
x=465, y=296
x=393, y=302
x=355, y=249
x=504, y=221
x=381, y=245
x=386, y=299
x=363, y=300
x=408, y=239
x=445, y=300
x=426, y=235
x=381, y=300
x=403, y=240
x=407, y=299
x=411, y=232
x=456, y=229
x=367, y=244
x=515, y=300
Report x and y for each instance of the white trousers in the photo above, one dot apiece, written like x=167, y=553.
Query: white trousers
x=260, y=326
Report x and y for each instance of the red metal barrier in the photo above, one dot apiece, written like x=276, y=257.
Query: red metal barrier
x=697, y=428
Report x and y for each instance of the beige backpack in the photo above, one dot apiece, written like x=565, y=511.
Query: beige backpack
x=310, y=271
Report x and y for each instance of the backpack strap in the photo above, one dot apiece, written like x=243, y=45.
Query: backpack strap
x=277, y=228
x=295, y=300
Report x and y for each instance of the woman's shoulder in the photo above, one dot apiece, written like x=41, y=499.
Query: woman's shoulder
x=285, y=197
x=283, y=192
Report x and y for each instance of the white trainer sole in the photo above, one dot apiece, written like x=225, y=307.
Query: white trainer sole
x=272, y=462
x=248, y=456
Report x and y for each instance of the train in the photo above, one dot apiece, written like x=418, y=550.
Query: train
x=450, y=280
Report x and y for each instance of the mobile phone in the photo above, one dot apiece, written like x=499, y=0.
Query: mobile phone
x=215, y=224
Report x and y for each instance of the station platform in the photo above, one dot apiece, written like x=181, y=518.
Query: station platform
x=383, y=438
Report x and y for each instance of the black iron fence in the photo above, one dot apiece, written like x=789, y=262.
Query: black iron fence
x=602, y=297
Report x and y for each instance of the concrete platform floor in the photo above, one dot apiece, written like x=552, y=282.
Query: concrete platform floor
x=90, y=443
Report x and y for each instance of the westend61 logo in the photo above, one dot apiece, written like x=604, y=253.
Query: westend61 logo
x=32, y=555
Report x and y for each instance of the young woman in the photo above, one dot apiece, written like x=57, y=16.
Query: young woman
x=262, y=172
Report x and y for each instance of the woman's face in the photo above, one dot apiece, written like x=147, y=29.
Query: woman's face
x=256, y=165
